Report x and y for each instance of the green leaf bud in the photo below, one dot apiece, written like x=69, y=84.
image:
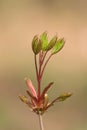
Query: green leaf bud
x=44, y=40
x=36, y=45
x=58, y=46
x=52, y=43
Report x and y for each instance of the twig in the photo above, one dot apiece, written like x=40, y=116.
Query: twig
x=41, y=122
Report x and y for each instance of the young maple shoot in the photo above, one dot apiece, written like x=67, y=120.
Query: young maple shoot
x=38, y=101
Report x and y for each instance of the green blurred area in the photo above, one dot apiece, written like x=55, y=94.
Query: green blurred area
x=20, y=20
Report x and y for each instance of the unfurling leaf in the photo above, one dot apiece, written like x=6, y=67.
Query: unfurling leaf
x=31, y=96
x=36, y=45
x=60, y=99
x=51, y=43
x=64, y=96
x=44, y=40
x=23, y=99
x=31, y=87
x=58, y=46
x=46, y=89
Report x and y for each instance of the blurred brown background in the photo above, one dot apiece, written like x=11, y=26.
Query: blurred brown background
x=20, y=20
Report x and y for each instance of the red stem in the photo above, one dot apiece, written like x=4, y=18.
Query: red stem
x=44, y=57
x=36, y=66
x=39, y=73
x=38, y=77
x=40, y=62
x=39, y=84
x=45, y=65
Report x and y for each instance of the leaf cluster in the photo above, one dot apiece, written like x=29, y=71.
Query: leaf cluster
x=42, y=43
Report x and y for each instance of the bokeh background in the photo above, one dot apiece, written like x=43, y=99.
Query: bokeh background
x=20, y=20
